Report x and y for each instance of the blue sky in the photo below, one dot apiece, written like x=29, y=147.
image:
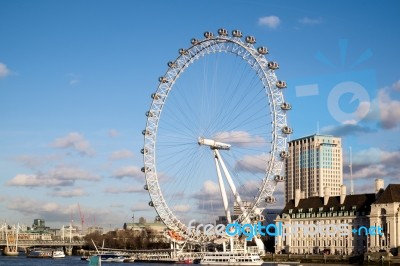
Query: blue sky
x=76, y=79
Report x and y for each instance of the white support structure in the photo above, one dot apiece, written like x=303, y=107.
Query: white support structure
x=231, y=184
x=223, y=191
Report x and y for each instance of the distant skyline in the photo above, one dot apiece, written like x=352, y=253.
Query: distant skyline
x=76, y=79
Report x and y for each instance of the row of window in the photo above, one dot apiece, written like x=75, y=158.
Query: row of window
x=323, y=214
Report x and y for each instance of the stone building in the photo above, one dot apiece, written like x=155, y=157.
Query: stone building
x=344, y=224
x=385, y=211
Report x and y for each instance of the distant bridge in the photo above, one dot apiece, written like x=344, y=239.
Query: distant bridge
x=46, y=243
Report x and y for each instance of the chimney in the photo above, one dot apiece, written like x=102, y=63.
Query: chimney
x=379, y=187
x=379, y=184
x=342, y=193
x=327, y=194
x=297, y=197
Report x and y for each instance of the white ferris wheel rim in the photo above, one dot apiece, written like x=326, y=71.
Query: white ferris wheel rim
x=258, y=62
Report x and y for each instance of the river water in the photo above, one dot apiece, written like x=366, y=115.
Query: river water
x=76, y=261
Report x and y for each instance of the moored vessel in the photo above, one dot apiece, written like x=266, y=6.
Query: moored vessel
x=231, y=258
x=40, y=253
x=110, y=257
x=58, y=254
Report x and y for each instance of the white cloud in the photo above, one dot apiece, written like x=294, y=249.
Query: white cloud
x=310, y=21
x=253, y=163
x=389, y=110
x=346, y=129
x=75, y=141
x=240, y=139
x=208, y=195
x=141, y=207
x=56, y=177
x=77, y=192
x=23, y=180
x=368, y=156
x=208, y=198
x=271, y=22
x=383, y=109
x=31, y=206
x=370, y=172
x=375, y=163
x=4, y=71
x=396, y=85
x=210, y=188
x=71, y=173
x=128, y=171
x=35, y=161
x=61, y=213
x=122, y=154
x=131, y=189
x=181, y=208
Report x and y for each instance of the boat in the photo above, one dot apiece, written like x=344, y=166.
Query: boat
x=110, y=257
x=58, y=254
x=130, y=259
x=231, y=258
x=40, y=253
x=185, y=261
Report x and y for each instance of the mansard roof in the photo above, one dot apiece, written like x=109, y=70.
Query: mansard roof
x=361, y=202
x=390, y=195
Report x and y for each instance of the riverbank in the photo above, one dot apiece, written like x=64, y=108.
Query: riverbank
x=380, y=258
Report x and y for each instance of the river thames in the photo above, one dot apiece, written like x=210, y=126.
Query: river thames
x=76, y=261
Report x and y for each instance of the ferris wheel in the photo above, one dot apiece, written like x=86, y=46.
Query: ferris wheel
x=215, y=137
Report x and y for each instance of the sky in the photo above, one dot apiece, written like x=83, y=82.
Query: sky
x=76, y=79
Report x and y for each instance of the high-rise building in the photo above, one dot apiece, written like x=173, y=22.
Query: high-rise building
x=315, y=162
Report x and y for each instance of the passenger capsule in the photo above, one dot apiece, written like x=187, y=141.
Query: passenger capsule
x=183, y=51
x=223, y=32
x=270, y=199
x=287, y=130
x=146, y=132
x=194, y=41
x=250, y=39
x=146, y=187
x=171, y=64
x=273, y=65
x=279, y=178
x=286, y=106
x=281, y=84
x=143, y=151
x=208, y=35
x=151, y=204
x=284, y=154
x=158, y=219
x=155, y=96
x=237, y=33
x=262, y=50
x=163, y=80
x=149, y=114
